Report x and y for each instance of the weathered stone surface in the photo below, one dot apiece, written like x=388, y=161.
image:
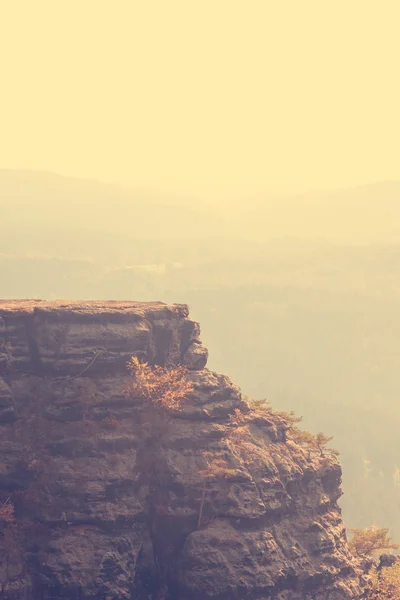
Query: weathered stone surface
x=96, y=518
x=66, y=338
x=196, y=357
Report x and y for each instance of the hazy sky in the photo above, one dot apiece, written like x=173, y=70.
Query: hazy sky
x=211, y=96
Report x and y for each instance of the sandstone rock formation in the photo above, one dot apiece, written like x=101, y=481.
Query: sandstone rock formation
x=94, y=521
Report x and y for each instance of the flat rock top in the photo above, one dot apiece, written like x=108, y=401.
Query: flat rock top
x=92, y=308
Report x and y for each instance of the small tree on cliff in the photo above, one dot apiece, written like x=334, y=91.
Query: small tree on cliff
x=384, y=583
x=313, y=443
x=371, y=541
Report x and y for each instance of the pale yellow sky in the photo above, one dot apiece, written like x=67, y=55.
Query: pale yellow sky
x=208, y=96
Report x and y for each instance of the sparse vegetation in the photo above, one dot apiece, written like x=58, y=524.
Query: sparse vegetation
x=385, y=583
x=248, y=450
x=263, y=408
x=315, y=444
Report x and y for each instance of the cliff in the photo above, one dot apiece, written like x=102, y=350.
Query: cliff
x=93, y=520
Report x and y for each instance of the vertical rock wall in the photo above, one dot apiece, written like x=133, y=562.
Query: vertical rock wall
x=96, y=519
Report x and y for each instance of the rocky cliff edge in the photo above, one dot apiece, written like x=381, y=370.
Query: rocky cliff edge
x=90, y=522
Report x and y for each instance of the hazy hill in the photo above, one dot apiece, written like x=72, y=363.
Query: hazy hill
x=45, y=204
x=42, y=201
x=363, y=214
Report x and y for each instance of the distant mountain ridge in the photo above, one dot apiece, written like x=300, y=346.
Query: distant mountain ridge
x=46, y=200
x=367, y=213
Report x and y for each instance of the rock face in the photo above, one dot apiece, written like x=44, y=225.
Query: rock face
x=97, y=519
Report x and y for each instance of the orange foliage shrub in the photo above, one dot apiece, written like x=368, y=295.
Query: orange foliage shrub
x=163, y=387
